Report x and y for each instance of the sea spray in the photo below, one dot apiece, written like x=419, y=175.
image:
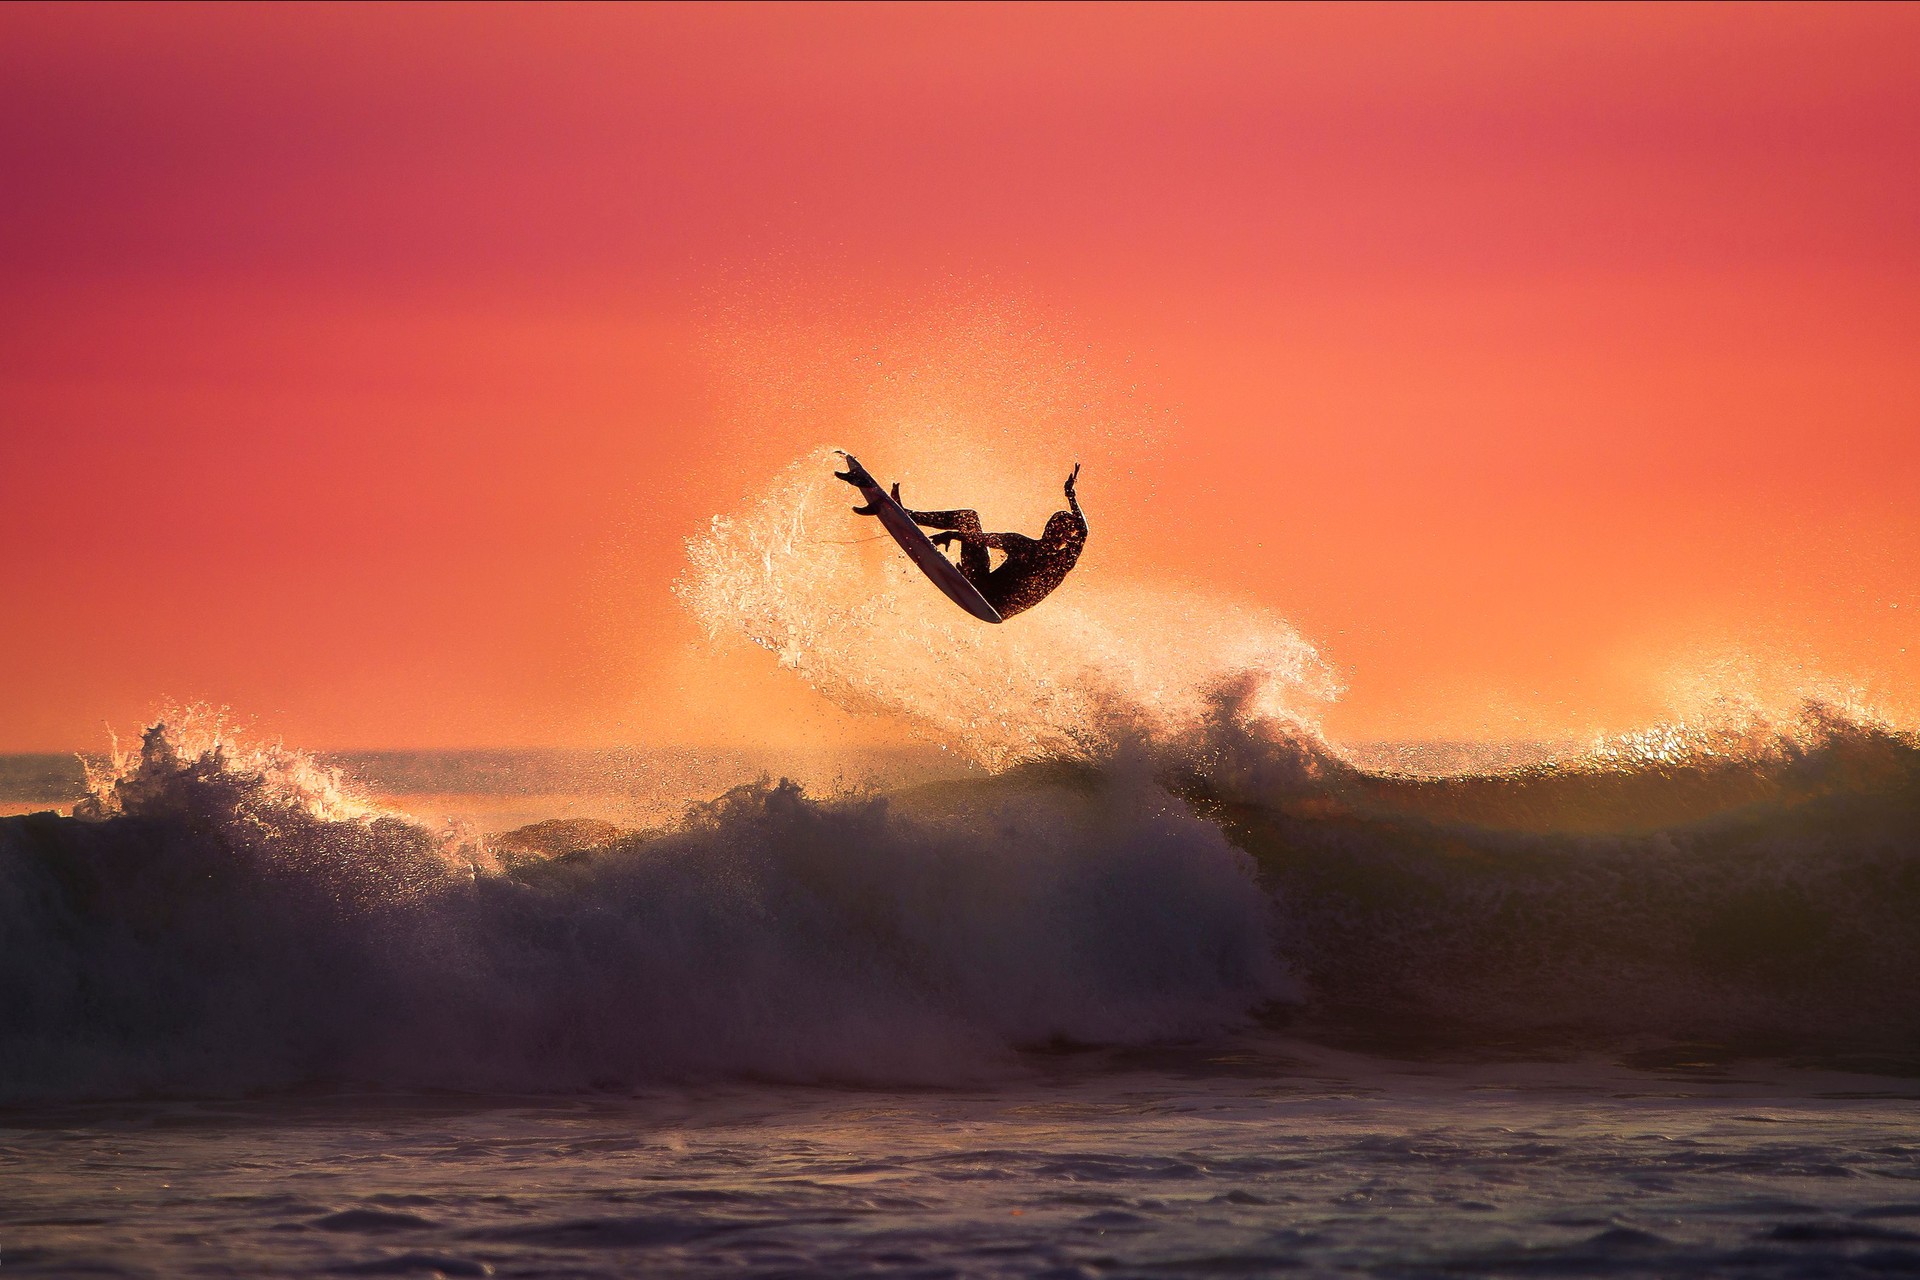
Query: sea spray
x=1101, y=666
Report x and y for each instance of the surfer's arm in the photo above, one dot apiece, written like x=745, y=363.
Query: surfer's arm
x=1073, y=500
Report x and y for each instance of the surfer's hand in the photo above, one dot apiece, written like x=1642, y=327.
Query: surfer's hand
x=946, y=539
x=1072, y=478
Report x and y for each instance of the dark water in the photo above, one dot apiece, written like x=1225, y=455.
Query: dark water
x=1240, y=1009
x=1272, y=1157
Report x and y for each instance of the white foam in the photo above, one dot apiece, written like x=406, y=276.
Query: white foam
x=1098, y=665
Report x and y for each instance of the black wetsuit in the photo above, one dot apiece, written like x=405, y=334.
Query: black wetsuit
x=1033, y=567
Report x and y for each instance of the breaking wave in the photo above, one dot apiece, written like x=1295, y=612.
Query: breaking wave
x=218, y=918
x=222, y=918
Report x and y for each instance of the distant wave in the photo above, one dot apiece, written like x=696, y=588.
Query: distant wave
x=1755, y=882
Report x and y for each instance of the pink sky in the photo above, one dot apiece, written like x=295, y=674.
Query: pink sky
x=365, y=368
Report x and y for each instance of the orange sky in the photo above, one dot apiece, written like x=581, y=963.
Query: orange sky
x=364, y=369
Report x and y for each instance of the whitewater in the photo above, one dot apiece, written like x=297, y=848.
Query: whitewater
x=1156, y=979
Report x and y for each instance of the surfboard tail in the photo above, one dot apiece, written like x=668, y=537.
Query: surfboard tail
x=855, y=474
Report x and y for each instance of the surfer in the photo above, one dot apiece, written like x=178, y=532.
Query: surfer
x=1033, y=567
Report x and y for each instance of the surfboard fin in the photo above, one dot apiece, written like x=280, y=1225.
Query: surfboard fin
x=865, y=511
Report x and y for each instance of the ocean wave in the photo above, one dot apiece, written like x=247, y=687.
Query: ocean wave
x=1754, y=882
x=220, y=918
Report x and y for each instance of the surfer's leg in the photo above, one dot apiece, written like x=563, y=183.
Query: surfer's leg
x=973, y=564
x=965, y=523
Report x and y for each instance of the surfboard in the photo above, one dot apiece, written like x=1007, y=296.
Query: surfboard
x=928, y=558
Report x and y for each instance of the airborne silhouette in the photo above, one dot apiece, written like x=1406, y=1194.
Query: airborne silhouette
x=1033, y=566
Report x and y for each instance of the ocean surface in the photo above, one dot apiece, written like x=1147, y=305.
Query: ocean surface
x=1260, y=1157
x=1402, y=1011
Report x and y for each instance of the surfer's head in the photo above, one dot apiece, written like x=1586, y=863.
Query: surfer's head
x=1064, y=527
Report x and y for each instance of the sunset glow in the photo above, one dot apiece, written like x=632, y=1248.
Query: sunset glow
x=367, y=369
